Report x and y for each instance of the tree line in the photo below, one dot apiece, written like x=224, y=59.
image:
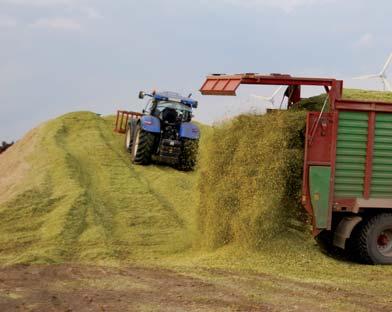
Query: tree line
x=4, y=146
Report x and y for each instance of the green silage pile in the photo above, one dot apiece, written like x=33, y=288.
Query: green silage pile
x=70, y=194
x=251, y=176
x=251, y=179
x=79, y=199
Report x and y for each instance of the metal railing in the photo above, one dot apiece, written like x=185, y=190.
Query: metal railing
x=122, y=120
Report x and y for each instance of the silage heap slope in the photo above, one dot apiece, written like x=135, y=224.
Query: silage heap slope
x=251, y=177
x=70, y=194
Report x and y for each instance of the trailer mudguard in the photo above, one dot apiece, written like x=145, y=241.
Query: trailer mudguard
x=189, y=130
x=344, y=230
x=150, y=124
x=319, y=178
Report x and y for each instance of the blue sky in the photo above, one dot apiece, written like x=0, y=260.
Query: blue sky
x=58, y=56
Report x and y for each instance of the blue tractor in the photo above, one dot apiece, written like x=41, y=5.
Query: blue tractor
x=164, y=133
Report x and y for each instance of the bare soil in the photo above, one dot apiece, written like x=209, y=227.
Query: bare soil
x=92, y=288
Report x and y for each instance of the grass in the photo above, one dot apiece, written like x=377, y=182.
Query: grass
x=315, y=103
x=352, y=94
x=82, y=202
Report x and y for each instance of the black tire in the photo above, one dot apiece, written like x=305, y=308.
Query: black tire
x=142, y=147
x=188, y=156
x=372, y=240
x=325, y=242
x=128, y=139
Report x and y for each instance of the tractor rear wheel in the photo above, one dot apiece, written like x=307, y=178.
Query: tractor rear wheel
x=142, y=147
x=188, y=156
x=128, y=139
x=373, y=240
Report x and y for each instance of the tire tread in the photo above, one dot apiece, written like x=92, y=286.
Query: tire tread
x=145, y=148
x=361, y=236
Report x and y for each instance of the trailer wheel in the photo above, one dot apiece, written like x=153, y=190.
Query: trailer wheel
x=128, y=139
x=324, y=240
x=142, y=147
x=325, y=243
x=373, y=240
x=188, y=156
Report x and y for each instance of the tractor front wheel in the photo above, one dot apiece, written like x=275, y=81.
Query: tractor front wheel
x=142, y=147
x=188, y=156
x=128, y=139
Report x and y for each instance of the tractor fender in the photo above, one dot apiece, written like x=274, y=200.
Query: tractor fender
x=150, y=124
x=344, y=230
x=189, y=130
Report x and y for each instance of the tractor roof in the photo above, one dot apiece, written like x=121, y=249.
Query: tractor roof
x=175, y=97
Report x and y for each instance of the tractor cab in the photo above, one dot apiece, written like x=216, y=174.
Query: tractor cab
x=169, y=107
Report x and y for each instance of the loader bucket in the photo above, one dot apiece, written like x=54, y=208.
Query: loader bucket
x=122, y=120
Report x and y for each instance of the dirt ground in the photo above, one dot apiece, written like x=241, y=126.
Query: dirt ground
x=85, y=288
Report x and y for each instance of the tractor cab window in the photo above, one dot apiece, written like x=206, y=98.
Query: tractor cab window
x=173, y=111
x=149, y=107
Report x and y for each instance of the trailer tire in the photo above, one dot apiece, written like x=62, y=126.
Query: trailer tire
x=372, y=240
x=325, y=241
x=188, y=156
x=128, y=139
x=142, y=147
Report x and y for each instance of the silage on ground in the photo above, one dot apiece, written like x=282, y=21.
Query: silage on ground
x=69, y=193
x=251, y=176
x=251, y=179
x=73, y=196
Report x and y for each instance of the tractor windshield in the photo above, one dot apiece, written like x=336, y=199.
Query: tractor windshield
x=177, y=106
x=184, y=112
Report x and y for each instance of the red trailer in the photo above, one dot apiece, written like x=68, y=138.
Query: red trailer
x=347, y=179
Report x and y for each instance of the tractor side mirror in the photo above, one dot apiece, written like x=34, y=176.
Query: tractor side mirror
x=141, y=95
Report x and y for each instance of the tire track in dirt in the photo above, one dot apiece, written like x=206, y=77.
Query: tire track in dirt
x=314, y=296
x=95, y=198
x=164, y=202
x=92, y=288
x=76, y=222
x=80, y=288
